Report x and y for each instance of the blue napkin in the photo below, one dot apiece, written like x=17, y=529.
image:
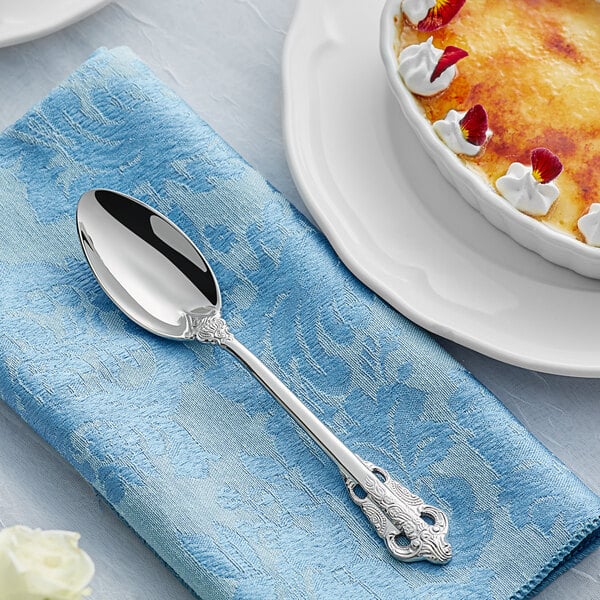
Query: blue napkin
x=184, y=443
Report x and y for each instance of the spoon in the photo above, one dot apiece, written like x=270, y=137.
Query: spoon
x=155, y=274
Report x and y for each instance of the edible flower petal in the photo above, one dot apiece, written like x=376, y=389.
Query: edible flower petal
x=450, y=57
x=440, y=14
x=474, y=125
x=545, y=165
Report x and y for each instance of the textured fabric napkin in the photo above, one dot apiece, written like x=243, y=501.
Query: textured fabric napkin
x=184, y=443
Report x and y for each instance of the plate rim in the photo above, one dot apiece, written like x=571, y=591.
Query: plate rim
x=81, y=10
x=346, y=254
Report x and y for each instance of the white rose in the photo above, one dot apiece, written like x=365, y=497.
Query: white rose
x=43, y=565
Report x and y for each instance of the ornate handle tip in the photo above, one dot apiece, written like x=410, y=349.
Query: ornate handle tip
x=411, y=529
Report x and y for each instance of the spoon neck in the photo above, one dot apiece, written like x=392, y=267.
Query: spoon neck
x=346, y=460
x=210, y=328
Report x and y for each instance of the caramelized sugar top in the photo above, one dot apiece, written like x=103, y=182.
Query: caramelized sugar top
x=533, y=65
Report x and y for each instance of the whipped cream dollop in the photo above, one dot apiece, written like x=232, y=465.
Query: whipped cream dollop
x=416, y=10
x=450, y=132
x=416, y=64
x=589, y=225
x=524, y=192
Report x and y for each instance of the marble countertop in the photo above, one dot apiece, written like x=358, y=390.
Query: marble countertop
x=223, y=57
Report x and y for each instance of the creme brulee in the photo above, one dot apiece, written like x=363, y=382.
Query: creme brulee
x=533, y=65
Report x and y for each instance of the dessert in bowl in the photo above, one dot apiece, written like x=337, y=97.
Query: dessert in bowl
x=505, y=97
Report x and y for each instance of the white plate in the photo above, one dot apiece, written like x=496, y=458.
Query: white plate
x=399, y=225
x=23, y=20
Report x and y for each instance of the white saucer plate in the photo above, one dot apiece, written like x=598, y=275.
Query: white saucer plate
x=399, y=225
x=24, y=20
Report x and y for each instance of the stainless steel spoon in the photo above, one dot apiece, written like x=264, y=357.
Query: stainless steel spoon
x=155, y=274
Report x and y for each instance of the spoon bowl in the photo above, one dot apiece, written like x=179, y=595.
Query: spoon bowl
x=147, y=266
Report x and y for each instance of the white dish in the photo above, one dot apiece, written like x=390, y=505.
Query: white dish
x=24, y=20
x=399, y=225
x=553, y=245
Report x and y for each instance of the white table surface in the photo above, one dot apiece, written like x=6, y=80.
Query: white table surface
x=223, y=57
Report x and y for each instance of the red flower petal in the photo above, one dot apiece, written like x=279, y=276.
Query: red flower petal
x=440, y=14
x=546, y=165
x=474, y=125
x=451, y=56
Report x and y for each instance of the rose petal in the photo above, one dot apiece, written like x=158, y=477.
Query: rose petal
x=545, y=165
x=450, y=57
x=440, y=14
x=474, y=125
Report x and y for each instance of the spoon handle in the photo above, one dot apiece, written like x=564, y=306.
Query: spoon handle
x=394, y=511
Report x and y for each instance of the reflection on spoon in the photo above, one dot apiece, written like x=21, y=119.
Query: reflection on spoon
x=155, y=274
